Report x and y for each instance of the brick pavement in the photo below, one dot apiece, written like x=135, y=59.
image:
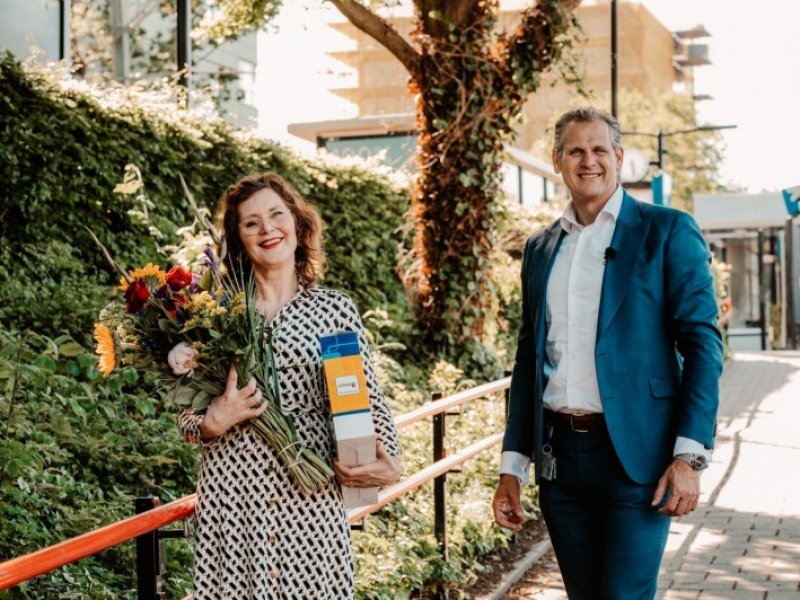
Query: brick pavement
x=744, y=541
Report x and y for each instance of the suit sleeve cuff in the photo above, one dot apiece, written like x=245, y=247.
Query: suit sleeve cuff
x=514, y=463
x=685, y=445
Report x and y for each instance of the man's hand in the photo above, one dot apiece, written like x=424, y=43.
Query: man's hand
x=506, y=504
x=234, y=406
x=383, y=471
x=683, y=484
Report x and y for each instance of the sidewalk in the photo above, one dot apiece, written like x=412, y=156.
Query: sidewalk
x=744, y=541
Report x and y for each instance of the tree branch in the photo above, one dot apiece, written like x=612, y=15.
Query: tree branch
x=460, y=11
x=448, y=12
x=533, y=47
x=379, y=29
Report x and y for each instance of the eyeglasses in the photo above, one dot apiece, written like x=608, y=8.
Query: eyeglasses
x=255, y=225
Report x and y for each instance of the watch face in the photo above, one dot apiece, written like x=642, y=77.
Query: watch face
x=699, y=461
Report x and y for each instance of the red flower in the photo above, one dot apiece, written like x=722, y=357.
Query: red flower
x=178, y=278
x=173, y=303
x=136, y=295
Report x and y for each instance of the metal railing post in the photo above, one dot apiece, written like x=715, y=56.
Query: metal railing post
x=506, y=397
x=440, y=485
x=149, y=556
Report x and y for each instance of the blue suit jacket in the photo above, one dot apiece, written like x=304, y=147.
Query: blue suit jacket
x=658, y=352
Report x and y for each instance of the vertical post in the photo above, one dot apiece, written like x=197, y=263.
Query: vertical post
x=149, y=563
x=519, y=184
x=762, y=302
x=440, y=482
x=506, y=396
x=614, y=58
x=122, y=41
x=64, y=50
x=440, y=485
x=789, y=282
x=660, y=150
x=184, y=44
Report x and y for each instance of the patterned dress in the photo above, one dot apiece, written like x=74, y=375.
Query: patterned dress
x=258, y=536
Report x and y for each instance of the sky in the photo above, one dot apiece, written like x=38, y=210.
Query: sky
x=754, y=79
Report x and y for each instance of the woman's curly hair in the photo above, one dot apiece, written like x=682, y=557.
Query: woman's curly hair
x=309, y=255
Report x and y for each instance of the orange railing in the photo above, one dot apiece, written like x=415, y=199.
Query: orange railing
x=23, y=568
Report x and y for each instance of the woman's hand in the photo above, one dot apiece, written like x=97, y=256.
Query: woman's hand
x=383, y=471
x=234, y=406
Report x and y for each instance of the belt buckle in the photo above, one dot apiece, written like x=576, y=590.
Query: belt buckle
x=572, y=424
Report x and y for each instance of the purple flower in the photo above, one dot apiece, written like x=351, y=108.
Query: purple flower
x=211, y=259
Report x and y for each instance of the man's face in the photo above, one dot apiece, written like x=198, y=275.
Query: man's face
x=588, y=162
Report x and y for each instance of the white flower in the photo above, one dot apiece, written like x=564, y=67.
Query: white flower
x=181, y=359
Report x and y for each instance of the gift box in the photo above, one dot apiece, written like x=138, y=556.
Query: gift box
x=353, y=427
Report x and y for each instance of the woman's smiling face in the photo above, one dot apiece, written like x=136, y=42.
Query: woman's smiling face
x=267, y=230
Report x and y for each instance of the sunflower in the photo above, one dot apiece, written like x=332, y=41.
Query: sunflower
x=106, y=349
x=148, y=271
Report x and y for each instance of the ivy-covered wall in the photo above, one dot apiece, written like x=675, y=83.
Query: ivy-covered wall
x=62, y=151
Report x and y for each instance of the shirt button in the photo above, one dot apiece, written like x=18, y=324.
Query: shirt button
x=274, y=574
x=272, y=539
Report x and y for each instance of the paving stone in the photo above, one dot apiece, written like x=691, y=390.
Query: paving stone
x=782, y=595
x=678, y=595
x=731, y=595
x=705, y=585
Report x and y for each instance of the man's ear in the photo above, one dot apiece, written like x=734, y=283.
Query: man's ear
x=620, y=155
x=556, y=162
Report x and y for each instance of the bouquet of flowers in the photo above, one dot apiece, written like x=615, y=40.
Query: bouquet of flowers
x=189, y=328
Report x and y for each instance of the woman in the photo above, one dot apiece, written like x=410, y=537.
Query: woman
x=258, y=535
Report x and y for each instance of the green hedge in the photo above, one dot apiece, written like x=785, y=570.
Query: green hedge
x=61, y=155
x=76, y=450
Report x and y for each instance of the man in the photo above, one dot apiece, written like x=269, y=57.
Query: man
x=615, y=386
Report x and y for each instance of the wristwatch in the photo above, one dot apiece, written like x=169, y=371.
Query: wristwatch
x=698, y=462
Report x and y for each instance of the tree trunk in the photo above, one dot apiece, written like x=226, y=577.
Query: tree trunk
x=470, y=89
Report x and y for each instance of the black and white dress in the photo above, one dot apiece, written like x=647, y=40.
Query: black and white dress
x=258, y=535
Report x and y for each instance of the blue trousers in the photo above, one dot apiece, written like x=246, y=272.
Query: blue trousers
x=607, y=538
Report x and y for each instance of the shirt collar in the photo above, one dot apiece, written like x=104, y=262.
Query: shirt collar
x=569, y=220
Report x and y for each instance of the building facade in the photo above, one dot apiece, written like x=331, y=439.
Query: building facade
x=42, y=27
x=651, y=59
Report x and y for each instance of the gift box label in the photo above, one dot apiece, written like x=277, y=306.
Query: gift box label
x=344, y=373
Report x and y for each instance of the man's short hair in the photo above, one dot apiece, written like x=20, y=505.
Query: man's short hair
x=587, y=114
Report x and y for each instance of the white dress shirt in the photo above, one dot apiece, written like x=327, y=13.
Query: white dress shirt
x=572, y=307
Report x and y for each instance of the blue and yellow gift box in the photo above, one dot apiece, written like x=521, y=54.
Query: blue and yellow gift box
x=350, y=409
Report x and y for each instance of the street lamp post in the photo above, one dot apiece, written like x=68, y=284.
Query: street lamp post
x=661, y=135
x=184, y=14
x=614, y=58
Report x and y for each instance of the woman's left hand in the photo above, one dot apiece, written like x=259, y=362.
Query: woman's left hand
x=383, y=471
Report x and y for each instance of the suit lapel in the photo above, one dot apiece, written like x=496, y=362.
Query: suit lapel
x=629, y=235
x=543, y=256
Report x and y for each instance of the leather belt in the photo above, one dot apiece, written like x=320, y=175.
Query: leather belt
x=585, y=423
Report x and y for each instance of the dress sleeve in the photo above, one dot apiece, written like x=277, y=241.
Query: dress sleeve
x=189, y=426
x=385, y=431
